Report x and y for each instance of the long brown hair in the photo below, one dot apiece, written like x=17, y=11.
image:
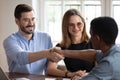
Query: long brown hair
x=66, y=39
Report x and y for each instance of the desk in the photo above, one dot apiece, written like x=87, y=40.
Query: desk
x=30, y=76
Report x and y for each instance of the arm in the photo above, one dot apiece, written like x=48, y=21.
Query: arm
x=34, y=56
x=53, y=70
x=20, y=55
x=88, y=54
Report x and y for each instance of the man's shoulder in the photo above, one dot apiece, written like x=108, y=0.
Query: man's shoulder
x=11, y=36
x=10, y=39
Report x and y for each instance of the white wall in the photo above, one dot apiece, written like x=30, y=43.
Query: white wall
x=7, y=24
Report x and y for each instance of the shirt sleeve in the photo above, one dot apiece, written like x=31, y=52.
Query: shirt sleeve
x=103, y=71
x=14, y=52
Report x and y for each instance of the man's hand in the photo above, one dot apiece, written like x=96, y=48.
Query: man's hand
x=57, y=50
x=55, y=54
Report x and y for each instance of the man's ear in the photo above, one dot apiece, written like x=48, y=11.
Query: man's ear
x=97, y=38
x=17, y=21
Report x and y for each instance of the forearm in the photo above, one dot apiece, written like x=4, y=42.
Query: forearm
x=34, y=56
x=59, y=73
x=56, y=72
x=53, y=56
x=89, y=55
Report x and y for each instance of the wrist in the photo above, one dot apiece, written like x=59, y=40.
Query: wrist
x=48, y=53
x=66, y=74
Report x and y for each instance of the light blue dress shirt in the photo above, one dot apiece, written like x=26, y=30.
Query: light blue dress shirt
x=108, y=67
x=18, y=47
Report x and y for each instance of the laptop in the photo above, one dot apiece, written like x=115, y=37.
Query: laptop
x=3, y=76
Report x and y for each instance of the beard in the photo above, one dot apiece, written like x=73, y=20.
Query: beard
x=26, y=29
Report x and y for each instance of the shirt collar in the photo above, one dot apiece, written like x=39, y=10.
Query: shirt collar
x=22, y=37
x=111, y=49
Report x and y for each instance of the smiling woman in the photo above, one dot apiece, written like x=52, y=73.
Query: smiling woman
x=74, y=37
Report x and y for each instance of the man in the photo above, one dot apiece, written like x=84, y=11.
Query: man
x=27, y=50
x=104, y=31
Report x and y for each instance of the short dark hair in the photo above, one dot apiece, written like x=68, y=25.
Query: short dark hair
x=106, y=28
x=20, y=9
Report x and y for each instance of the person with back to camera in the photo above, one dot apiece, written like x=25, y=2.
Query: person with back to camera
x=27, y=50
x=104, y=31
x=74, y=37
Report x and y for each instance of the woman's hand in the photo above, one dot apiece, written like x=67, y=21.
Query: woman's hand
x=79, y=74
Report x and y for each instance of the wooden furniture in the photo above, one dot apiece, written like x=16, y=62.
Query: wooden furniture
x=32, y=76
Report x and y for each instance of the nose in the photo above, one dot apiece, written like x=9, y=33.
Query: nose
x=76, y=27
x=31, y=22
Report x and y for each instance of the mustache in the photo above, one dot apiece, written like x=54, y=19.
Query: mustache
x=30, y=26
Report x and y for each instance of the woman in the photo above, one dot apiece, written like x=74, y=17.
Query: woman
x=74, y=37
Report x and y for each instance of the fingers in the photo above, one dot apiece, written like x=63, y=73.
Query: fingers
x=76, y=78
x=57, y=50
x=81, y=73
x=57, y=57
x=54, y=56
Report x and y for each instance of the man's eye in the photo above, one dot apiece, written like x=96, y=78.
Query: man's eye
x=33, y=19
x=26, y=20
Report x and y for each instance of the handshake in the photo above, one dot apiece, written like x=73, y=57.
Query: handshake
x=55, y=54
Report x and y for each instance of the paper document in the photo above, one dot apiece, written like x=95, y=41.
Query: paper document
x=57, y=78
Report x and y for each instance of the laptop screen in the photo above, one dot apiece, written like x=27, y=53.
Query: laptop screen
x=3, y=76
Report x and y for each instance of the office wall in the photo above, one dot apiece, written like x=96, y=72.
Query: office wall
x=7, y=24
